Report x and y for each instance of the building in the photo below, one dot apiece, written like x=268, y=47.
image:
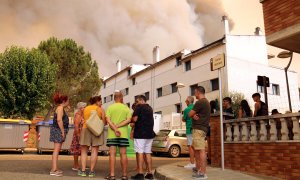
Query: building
x=246, y=58
x=282, y=23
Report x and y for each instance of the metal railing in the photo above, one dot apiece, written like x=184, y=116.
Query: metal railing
x=281, y=127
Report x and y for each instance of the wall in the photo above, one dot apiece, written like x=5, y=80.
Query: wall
x=277, y=159
x=246, y=59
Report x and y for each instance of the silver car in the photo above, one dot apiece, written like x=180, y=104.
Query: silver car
x=173, y=142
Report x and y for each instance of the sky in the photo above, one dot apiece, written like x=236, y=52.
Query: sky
x=129, y=29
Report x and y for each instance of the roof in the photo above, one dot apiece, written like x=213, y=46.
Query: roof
x=204, y=48
x=125, y=69
x=192, y=54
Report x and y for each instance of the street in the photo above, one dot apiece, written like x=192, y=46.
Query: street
x=36, y=167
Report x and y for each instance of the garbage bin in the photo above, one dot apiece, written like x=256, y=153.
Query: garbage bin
x=45, y=144
x=12, y=135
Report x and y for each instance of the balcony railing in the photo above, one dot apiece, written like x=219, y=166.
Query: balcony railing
x=283, y=127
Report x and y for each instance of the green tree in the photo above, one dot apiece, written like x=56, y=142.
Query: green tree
x=77, y=74
x=26, y=82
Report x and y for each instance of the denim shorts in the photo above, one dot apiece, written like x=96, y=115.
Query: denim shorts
x=189, y=139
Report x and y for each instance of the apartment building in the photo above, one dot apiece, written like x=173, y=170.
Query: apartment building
x=246, y=58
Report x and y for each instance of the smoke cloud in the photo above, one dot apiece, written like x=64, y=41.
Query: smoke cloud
x=113, y=29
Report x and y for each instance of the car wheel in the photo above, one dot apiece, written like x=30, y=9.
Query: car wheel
x=174, y=151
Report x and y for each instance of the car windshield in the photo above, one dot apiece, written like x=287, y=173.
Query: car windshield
x=163, y=133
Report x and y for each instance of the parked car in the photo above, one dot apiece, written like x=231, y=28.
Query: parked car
x=173, y=142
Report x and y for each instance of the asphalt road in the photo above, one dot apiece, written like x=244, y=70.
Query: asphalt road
x=36, y=167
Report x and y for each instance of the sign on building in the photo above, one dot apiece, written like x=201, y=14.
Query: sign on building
x=217, y=62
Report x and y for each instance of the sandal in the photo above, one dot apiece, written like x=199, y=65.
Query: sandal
x=124, y=178
x=109, y=177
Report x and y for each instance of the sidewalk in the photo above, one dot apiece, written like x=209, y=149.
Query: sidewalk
x=176, y=171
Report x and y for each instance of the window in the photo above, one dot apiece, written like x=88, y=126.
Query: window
x=111, y=97
x=104, y=85
x=128, y=104
x=260, y=89
x=133, y=81
x=104, y=99
x=127, y=91
x=188, y=65
x=192, y=89
x=178, y=108
x=178, y=61
x=214, y=84
x=174, y=88
x=147, y=94
x=158, y=112
x=275, y=89
x=159, y=92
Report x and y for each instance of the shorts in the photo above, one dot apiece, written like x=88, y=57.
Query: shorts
x=87, y=138
x=143, y=146
x=189, y=139
x=119, y=142
x=55, y=135
x=198, y=139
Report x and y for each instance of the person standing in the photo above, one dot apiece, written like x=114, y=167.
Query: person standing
x=143, y=136
x=58, y=130
x=260, y=108
x=87, y=138
x=188, y=122
x=244, y=110
x=201, y=116
x=75, y=146
x=118, y=116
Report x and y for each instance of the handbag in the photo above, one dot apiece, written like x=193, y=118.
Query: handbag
x=95, y=124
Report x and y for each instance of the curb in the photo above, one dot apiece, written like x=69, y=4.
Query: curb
x=159, y=174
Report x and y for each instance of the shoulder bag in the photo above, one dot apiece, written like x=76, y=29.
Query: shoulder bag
x=95, y=124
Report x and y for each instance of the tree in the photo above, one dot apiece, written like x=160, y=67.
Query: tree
x=77, y=74
x=26, y=82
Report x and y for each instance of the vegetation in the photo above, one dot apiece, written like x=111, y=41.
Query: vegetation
x=77, y=74
x=26, y=82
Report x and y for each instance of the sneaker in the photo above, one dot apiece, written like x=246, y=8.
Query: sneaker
x=199, y=176
x=81, y=173
x=138, y=176
x=149, y=176
x=56, y=173
x=92, y=174
x=190, y=166
x=195, y=170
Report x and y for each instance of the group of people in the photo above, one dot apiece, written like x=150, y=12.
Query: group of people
x=244, y=110
x=117, y=117
x=196, y=116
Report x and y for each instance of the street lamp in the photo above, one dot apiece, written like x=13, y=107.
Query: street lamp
x=178, y=86
x=287, y=54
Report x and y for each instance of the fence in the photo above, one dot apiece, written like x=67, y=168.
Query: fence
x=267, y=145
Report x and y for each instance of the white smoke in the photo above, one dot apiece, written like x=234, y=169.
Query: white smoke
x=113, y=29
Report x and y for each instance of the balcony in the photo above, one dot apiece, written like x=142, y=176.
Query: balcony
x=282, y=23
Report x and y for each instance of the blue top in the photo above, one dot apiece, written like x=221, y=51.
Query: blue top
x=65, y=120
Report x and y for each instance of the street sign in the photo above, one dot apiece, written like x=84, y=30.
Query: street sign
x=217, y=62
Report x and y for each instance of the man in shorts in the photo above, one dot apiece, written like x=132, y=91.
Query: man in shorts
x=118, y=117
x=188, y=122
x=201, y=116
x=143, y=136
